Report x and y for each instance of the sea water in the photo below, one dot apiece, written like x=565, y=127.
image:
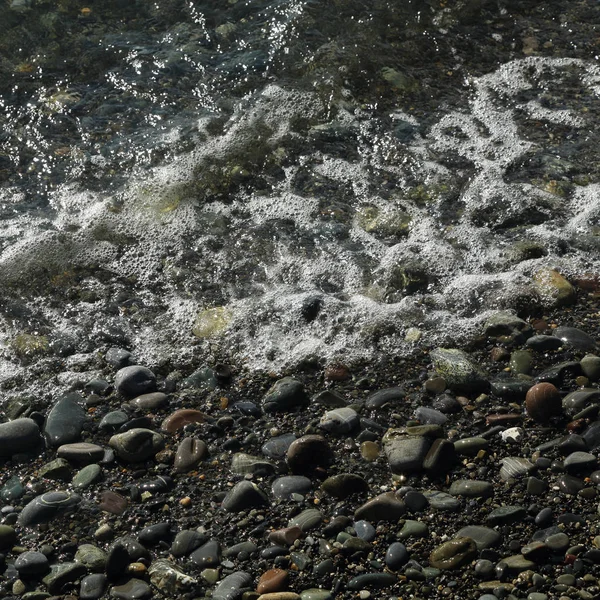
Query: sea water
x=276, y=182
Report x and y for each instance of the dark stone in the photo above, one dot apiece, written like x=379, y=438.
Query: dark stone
x=134, y=381
x=186, y=542
x=134, y=589
x=31, y=564
x=208, y=555
x=396, y=556
x=440, y=458
x=307, y=453
x=387, y=396
x=154, y=534
x=65, y=421
x=190, y=453
x=47, y=506
x=244, y=495
x=575, y=338
x=92, y=586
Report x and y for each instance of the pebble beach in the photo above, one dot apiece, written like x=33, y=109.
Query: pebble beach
x=451, y=473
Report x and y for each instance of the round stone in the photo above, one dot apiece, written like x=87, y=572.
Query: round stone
x=135, y=381
x=45, y=507
x=396, y=556
x=307, y=453
x=137, y=444
x=30, y=564
x=543, y=401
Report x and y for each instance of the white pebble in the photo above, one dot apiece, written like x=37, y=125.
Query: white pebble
x=513, y=435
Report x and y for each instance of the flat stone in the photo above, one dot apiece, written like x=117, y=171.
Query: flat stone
x=430, y=416
x=345, y=484
x=134, y=589
x=544, y=343
x=575, y=338
x=470, y=446
x=284, y=487
x=180, y=418
x=190, y=453
x=471, y=488
x=285, y=395
x=57, y=469
x=340, y=421
x=372, y=580
x=277, y=447
x=316, y=594
x=577, y=462
x=442, y=501
x=515, y=467
x=386, y=396
x=385, y=507
x=413, y=529
x=506, y=515
x=31, y=564
x=113, y=420
x=8, y=537
x=208, y=555
x=308, y=519
x=517, y=564
x=244, y=464
x=453, y=554
x=150, y=401
x=134, y=381
x=231, y=587
x=20, y=435
x=113, y=503
x=273, y=580
x=136, y=445
x=62, y=574
x=81, y=453
x=484, y=537
x=65, y=421
x=285, y=536
x=569, y=484
x=92, y=557
x=405, y=453
x=45, y=507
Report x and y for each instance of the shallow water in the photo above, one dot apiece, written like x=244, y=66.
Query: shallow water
x=287, y=180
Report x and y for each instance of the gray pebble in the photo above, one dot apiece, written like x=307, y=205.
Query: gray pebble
x=134, y=381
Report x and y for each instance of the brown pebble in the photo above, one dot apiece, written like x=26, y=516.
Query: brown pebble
x=435, y=385
x=181, y=418
x=308, y=453
x=369, y=450
x=499, y=354
x=543, y=401
x=112, y=502
x=286, y=536
x=185, y=502
x=279, y=596
x=273, y=580
x=337, y=373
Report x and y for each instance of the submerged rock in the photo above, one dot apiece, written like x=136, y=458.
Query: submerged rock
x=460, y=373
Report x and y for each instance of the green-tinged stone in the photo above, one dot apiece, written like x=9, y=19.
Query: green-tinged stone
x=211, y=322
x=553, y=288
x=385, y=223
x=470, y=446
x=12, y=489
x=316, y=594
x=460, y=373
x=211, y=576
x=7, y=536
x=453, y=554
x=517, y=563
x=62, y=574
x=590, y=365
x=86, y=476
x=520, y=362
x=92, y=557
x=413, y=529
x=27, y=344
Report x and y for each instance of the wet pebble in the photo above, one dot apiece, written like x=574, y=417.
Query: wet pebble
x=137, y=444
x=65, y=421
x=345, y=484
x=285, y=395
x=19, y=435
x=453, y=554
x=284, y=487
x=45, y=507
x=190, y=453
x=307, y=453
x=244, y=495
x=543, y=401
x=134, y=589
x=134, y=381
x=340, y=421
x=575, y=338
x=396, y=556
x=31, y=564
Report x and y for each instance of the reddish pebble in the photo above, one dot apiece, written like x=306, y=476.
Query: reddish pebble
x=113, y=503
x=273, y=580
x=543, y=401
x=181, y=418
x=337, y=373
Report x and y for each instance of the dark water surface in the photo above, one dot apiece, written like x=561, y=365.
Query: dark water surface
x=286, y=179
